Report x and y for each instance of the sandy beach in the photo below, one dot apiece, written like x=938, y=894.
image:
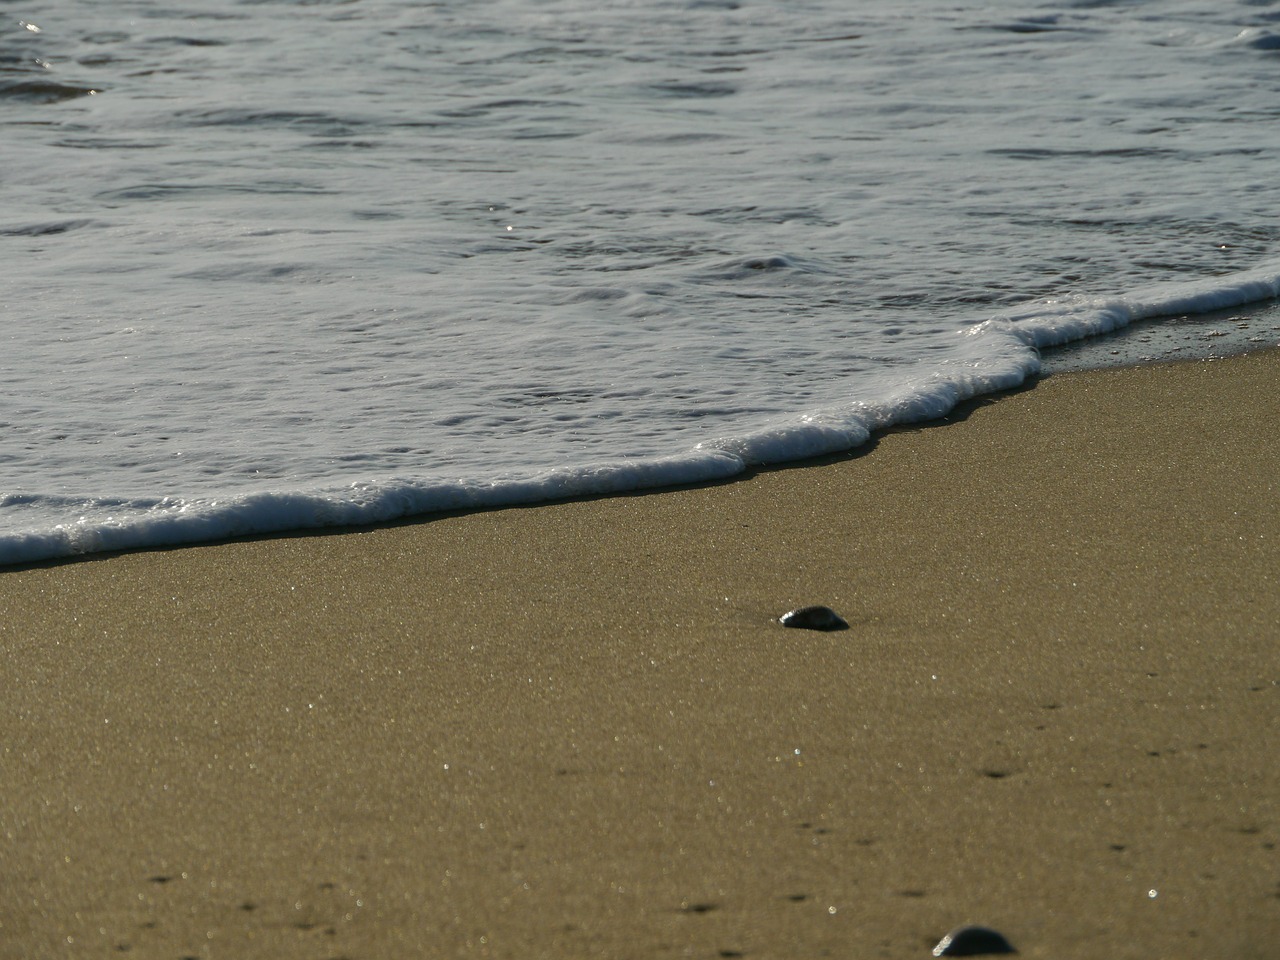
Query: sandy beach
x=578, y=730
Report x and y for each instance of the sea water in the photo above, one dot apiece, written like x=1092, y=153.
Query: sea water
x=275, y=264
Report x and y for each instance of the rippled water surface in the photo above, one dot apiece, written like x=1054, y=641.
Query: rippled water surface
x=272, y=264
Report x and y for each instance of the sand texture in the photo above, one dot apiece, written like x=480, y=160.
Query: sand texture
x=578, y=731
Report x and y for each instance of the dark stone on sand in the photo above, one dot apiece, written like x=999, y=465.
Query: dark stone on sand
x=972, y=942
x=814, y=618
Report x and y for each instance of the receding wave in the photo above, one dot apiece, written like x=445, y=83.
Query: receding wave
x=1001, y=353
x=1056, y=321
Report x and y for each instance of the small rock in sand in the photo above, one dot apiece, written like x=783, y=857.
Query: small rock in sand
x=972, y=942
x=814, y=618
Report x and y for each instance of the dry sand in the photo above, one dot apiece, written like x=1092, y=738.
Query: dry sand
x=577, y=730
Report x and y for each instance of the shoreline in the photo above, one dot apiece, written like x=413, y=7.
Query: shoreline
x=576, y=729
x=1210, y=335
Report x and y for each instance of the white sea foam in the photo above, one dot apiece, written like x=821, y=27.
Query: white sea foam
x=1056, y=321
x=277, y=265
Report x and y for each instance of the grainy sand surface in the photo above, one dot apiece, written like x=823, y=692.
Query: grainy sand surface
x=578, y=731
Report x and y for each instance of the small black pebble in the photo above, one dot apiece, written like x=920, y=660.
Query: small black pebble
x=972, y=942
x=814, y=618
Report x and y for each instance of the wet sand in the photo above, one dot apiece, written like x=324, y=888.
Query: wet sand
x=578, y=731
